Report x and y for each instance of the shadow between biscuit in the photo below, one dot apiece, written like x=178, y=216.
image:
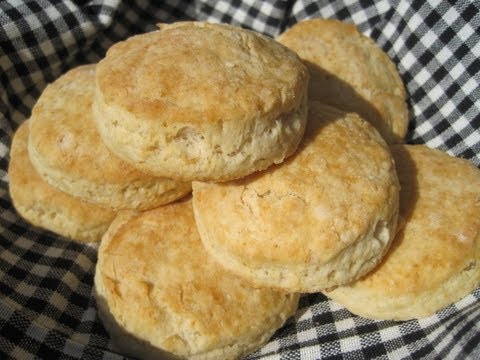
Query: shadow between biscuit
x=344, y=90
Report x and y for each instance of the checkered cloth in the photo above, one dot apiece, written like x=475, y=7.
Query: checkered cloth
x=46, y=306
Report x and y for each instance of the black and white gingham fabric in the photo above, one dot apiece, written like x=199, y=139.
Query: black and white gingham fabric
x=46, y=306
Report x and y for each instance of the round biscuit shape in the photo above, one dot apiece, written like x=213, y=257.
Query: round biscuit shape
x=46, y=207
x=322, y=218
x=434, y=260
x=66, y=150
x=349, y=71
x=201, y=101
x=161, y=296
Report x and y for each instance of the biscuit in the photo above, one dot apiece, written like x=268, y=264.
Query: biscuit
x=46, y=207
x=201, y=101
x=66, y=150
x=160, y=295
x=349, y=71
x=322, y=218
x=434, y=260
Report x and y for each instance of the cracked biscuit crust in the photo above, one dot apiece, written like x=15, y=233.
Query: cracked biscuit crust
x=322, y=218
x=160, y=294
x=66, y=150
x=201, y=101
x=349, y=71
x=435, y=258
x=44, y=206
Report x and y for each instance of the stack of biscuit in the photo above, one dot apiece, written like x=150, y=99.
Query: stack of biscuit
x=62, y=177
x=300, y=185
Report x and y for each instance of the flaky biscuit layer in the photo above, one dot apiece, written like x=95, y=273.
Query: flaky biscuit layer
x=201, y=101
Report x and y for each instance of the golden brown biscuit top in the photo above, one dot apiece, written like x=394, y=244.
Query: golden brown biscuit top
x=317, y=41
x=326, y=196
x=30, y=190
x=440, y=206
x=64, y=135
x=348, y=70
x=199, y=72
x=163, y=285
